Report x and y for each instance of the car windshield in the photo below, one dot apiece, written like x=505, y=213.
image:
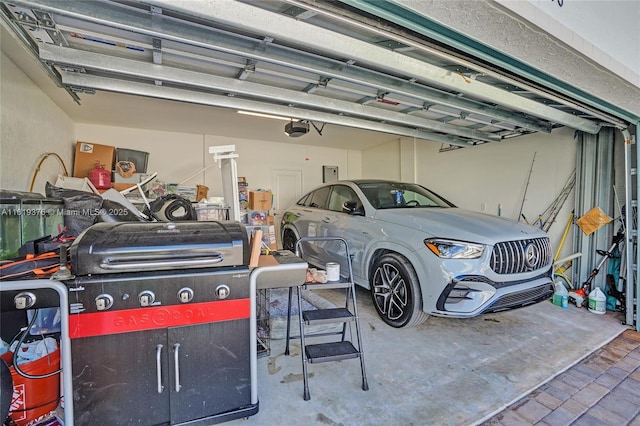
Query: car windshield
x=393, y=195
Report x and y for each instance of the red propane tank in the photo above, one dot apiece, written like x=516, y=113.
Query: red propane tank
x=99, y=177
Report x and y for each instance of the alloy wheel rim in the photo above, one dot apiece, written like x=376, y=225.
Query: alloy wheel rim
x=390, y=291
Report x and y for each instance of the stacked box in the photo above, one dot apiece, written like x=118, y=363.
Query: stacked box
x=243, y=192
x=260, y=200
x=271, y=232
x=88, y=154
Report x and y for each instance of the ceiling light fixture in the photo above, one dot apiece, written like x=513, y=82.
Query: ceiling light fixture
x=276, y=117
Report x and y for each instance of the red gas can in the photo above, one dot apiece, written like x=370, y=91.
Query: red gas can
x=99, y=177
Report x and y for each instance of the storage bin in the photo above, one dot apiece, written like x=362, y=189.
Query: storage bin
x=23, y=220
x=207, y=212
x=34, y=398
x=139, y=158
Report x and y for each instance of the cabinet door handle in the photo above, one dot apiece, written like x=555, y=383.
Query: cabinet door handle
x=159, y=367
x=176, y=361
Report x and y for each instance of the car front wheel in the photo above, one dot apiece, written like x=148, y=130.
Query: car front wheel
x=289, y=240
x=396, y=292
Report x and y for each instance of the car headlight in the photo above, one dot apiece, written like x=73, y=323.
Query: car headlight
x=448, y=249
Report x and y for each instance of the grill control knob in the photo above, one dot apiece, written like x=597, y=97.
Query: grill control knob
x=222, y=291
x=146, y=298
x=24, y=300
x=104, y=302
x=185, y=295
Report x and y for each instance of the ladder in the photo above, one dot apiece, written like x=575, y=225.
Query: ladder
x=333, y=350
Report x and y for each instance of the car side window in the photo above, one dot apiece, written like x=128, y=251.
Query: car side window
x=318, y=199
x=339, y=195
x=304, y=200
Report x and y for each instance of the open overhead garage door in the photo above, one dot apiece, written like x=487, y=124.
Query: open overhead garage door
x=317, y=62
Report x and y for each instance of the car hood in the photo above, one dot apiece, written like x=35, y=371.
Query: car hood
x=459, y=224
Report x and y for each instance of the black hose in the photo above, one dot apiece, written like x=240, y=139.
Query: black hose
x=23, y=335
x=168, y=207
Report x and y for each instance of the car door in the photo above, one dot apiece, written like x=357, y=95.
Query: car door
x=339, y=221
x=310, y=212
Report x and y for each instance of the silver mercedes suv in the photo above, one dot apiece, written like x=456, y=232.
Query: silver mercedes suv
x=419, y=254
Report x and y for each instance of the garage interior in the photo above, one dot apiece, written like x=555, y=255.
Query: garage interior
x=470, y=99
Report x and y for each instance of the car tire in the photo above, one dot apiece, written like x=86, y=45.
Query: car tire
x=289, y=240
x=395, y=291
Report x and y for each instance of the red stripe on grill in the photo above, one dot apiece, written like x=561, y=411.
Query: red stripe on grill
x=156, y=317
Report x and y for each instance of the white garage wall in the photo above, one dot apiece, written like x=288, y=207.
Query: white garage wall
x=32, y=125
x=492, y=174
x=382, y=161
x=488, y=175
x=177, y=156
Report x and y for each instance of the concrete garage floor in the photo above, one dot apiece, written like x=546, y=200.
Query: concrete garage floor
x=444, y=372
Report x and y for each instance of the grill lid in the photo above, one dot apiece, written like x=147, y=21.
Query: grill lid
x=150, y=246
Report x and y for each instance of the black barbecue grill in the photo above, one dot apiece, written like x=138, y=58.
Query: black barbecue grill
x=160, y=324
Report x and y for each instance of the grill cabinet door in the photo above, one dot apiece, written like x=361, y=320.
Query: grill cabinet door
x=115, y=379
x=213, y=367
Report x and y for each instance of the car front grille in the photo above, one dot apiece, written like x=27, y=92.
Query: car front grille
x=514, y=257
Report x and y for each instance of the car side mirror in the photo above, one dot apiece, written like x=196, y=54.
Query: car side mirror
x=351, y=207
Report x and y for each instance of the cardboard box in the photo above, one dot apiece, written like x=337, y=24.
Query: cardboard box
x=260, y=200
x=271, y=234
x=201, y=192
x=87, y=154
x=121, y=186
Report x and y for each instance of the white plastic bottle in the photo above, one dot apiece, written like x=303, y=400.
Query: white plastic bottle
x=597, y=302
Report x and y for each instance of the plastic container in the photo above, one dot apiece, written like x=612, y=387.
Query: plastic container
x=597, y=302
x=209, y=212
x=333, y=271
x=139, y=158
x=561, y=295
x=34, y=398
x=28, y=219
x=48, y=320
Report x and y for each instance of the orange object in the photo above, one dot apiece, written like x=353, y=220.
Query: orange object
x=583, y=294
x=34, y=398
x=593, y=220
